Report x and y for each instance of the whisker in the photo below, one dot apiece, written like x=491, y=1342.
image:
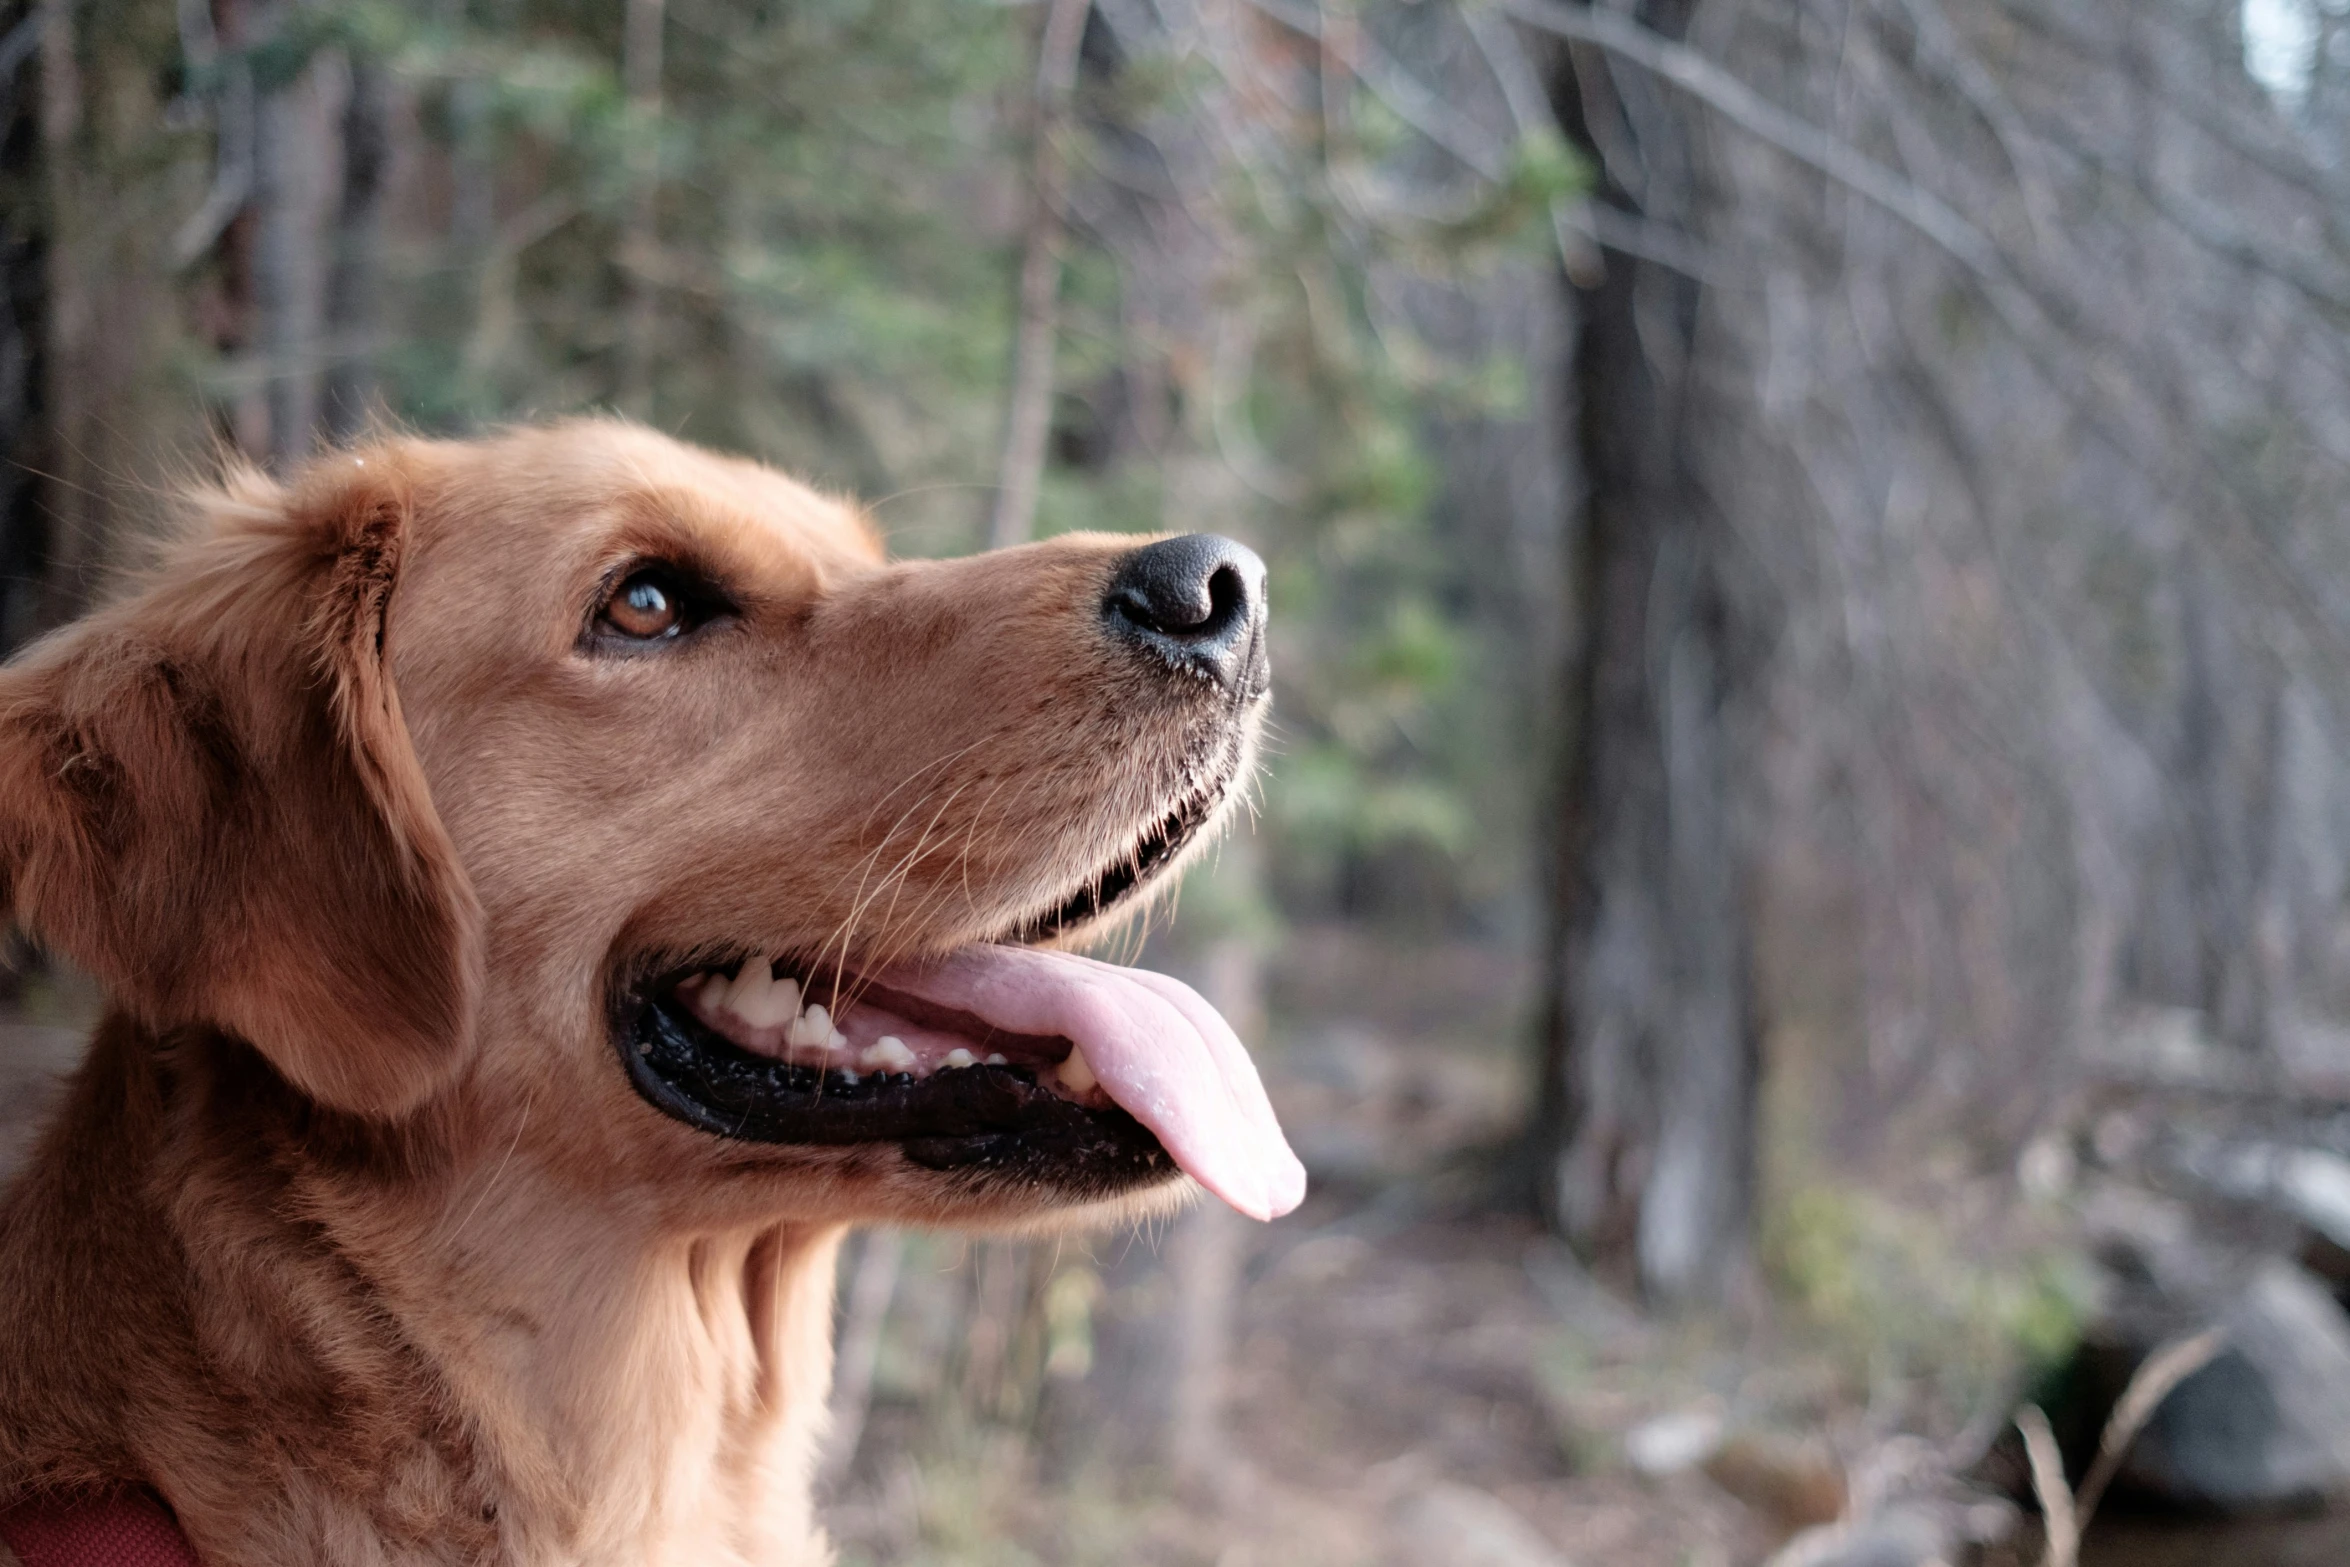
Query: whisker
x=894, y=882
x=521, y=1120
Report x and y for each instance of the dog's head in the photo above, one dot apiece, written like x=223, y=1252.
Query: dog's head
x=582, y=787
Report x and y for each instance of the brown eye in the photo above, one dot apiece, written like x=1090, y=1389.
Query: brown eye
x=645, y=607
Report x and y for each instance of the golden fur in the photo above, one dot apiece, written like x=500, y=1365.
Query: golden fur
x=350, y=1237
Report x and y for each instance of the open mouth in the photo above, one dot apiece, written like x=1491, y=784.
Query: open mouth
x=1018, y=1109
x=1043, y=1067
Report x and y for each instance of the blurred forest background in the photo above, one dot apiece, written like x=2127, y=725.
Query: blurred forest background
x=1801, y=903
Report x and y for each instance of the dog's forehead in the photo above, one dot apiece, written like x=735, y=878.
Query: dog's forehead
x=586, y=494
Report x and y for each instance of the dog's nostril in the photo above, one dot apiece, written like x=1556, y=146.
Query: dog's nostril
x=1176, y=614
x=1227, y=594
x=1198, y=602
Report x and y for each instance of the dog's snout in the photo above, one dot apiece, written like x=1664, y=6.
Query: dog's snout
x=1198, y=602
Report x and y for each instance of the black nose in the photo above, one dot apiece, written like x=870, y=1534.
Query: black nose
x=1198, y=602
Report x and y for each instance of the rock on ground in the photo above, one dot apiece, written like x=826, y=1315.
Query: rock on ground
x=2267, y=1424
x=1896, y=1537
x=1448, y=1525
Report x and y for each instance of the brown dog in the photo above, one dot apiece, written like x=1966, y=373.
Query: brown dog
x=454, y=1179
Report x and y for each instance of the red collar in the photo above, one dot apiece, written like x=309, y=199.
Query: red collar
x=123, y=1529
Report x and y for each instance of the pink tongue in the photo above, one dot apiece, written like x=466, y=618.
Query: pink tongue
x=1161, y=1052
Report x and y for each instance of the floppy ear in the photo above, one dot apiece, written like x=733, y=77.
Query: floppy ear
x=208, y=798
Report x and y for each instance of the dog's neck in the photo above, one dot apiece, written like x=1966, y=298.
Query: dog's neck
x=312, y=1370
x=651, y=1398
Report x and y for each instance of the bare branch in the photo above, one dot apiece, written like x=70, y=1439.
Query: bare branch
x=1401, y=93
x=1997, y=111
x=1571, y=223
x=1742, y=106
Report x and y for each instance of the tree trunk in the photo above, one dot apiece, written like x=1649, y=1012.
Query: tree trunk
x=640, y=71
x=1028, y=418
x=112, y=415
x=24, y=293
x=1211, y=1243
x=353, y=287
x=288, y=128
x=75, y=524
x=1645, y=1142
x=2230, y=731
x=873, y=1285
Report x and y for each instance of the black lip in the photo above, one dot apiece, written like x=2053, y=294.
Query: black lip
x=1123, y=877
x=997, y=1120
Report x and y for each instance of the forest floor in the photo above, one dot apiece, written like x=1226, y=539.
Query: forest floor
x=1387, y=1382
x=1416, y=1373
x=1419, y=1375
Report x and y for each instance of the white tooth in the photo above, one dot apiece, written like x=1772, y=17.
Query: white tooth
x=959, y=1059
x=811, y=1029
x=887, y=1054
x=998, y=1060
x=1076, y=1075
x=836, y=1041
x=770, y=1005
x=749, y=986
x=848, y=1077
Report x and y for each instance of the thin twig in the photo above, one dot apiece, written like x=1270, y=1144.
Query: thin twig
x=2153, y=1382
x=2056, y=1498
x=1521, y=89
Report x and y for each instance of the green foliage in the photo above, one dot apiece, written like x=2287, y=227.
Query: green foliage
x=1898, y=1294
x=1334, y=805
x=1221, y=900
x=977, y=1503
x=821, y=303
x=1514, y=212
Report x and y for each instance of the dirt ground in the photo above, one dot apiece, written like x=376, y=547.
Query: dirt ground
x=1388, y=1375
